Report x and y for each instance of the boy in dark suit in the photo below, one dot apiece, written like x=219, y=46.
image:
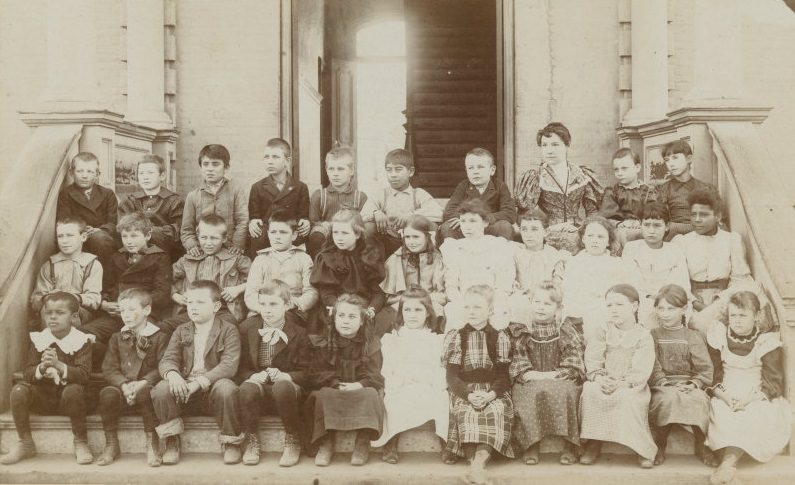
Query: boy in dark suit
x=278, y=191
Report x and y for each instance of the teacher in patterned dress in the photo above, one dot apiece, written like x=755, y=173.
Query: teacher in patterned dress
x=566, y=193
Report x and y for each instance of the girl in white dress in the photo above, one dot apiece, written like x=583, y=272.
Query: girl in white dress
x=748, y=413
x=590, y=273
x=415, y=389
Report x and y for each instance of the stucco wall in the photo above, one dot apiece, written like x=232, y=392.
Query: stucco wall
x=567, y=71
x=228, y=90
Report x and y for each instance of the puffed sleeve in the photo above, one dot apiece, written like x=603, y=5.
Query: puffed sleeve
x=595, y=353
x=451, y=359
x=572, y=343
x=642, y=361
x=520, y=363
x=594, y=190
x=527, y=190
x=502, y=383
x=772, y=357
x=700, y=361
x=325, y=280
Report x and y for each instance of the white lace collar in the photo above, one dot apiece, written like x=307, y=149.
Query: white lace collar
x=70, y=344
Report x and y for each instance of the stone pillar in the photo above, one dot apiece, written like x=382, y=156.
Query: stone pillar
x=71, y=56
x=717, y=52
x=145, y=64
x=649, y=62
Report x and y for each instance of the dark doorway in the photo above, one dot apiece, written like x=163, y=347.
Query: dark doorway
x=451, y=52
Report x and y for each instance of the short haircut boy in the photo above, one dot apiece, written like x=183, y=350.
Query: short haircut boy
x=62, y=296
x=675, y=147
x=213, y=220
x=535, y=214
x=215, y=290
x=78, y=221
x=342, y=153
x=83, y=157
x=399, y=156
x=285, y=217
x=215, y=152
x=143, y=297
x=276, y=288
x=281, y=144
x=474, y=206
x=137, y=221
x=626, y=152
x=486, y=291
x=156, y=160
x=705, y=197
x=656, y=211
x=481, y=153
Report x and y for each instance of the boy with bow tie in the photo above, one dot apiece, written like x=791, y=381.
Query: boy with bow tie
x=271, y=371
x=130, y=367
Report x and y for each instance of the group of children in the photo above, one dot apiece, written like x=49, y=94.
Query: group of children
x=352, y=317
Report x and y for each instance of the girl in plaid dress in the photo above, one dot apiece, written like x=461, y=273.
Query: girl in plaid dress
x=481, y=412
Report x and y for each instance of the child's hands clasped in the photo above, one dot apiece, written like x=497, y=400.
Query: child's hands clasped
x=479, y=399
x=685, y=386
x=350, y=386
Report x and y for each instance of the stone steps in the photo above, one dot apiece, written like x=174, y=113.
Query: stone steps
x=53, y=435
x=414, y=468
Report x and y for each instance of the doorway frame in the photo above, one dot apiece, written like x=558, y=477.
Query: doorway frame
x=506, y=82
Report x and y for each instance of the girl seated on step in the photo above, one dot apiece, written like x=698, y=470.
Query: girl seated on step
x=748, y=413
x=415, y=390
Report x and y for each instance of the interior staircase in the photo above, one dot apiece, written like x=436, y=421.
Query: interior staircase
x=452, y=87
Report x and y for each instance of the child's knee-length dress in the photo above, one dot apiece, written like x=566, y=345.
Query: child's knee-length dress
x=682, y=356
x=478, y=360
x=546, y=407
x=415, y=390
x=763, y=428
x=350, y=360
x=620, y=417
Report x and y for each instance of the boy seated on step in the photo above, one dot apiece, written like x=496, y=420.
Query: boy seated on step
x=481, y=185
x=278, y=191
x=273, y=362
x=385, y=216
x=137, y=264
x=341, y=193
x=84, y=198
x=215, y=263
x=55, y=375
x=197, y=369
x=285, y=262
x=130, y=369
x=217, y=195
x=673, y=193
x=162, y=206
x=70, y=270
x=623, y=202
x=715, y=258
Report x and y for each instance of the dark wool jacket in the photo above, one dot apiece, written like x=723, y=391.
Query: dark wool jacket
x=291, y=357
x=497, y=198
x=164, y=210
x=265, y=198
x=221, y=356
x=100, y=211
x=123, y=363
x=152, y=273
